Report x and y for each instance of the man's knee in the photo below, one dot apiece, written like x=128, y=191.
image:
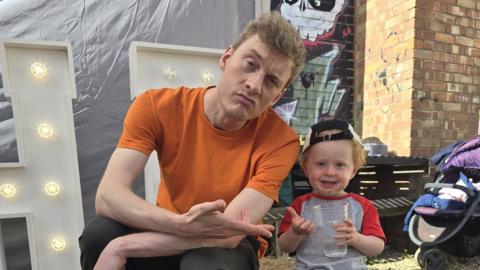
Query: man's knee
x=95, y=237
x=219, y=259
x=205, y=258
x=100, y=232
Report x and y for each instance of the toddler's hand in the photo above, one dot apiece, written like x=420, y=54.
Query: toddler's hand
x=300, y=225
x=347, y=232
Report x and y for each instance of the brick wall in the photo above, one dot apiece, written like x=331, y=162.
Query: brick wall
x=447, y=55
x=420, y=61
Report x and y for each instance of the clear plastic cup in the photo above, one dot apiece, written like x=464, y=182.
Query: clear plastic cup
x=327, y=216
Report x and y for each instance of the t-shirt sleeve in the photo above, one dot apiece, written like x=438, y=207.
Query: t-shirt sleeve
x=273, y=169
x=287, y=218
x=141, y=130
x=371, y=222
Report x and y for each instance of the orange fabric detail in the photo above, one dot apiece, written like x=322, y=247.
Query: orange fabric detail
x=200, y=163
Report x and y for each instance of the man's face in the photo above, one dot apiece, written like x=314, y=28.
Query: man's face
x=253, y=78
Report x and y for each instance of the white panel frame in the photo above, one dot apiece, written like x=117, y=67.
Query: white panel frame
x=49, y=101
x=30, y=234
x=147, y=61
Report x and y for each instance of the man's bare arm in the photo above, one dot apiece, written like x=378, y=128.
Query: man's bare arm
x=249, y=205
x=116, y=200
x=145, y=245
x=252, y=203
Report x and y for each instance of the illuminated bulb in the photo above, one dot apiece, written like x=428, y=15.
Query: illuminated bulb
x=45, y=130
x=52, y=188
x=169, y=73
x=58, y=243
x=8, y=190
x=39, y=71
x=207, y=76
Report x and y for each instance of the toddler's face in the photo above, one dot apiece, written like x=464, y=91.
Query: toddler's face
x=329, y=167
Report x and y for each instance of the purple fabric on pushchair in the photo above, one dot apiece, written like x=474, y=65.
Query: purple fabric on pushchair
x=465, y=156
x=445, y=213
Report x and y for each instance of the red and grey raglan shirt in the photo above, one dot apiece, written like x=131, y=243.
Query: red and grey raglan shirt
x=309, y=253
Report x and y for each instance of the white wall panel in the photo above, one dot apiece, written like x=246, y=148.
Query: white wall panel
x=36, y=101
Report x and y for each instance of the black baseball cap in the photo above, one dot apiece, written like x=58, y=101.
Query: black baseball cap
x=346, y=133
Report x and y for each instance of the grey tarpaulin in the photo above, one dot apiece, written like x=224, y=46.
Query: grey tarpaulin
x=100, y=33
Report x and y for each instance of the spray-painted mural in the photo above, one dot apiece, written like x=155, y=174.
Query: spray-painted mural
x=324, y=88
x=388, y=78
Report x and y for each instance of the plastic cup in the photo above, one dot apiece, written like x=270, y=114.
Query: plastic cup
x=326, y=217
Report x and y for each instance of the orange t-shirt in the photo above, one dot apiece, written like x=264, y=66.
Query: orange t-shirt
x=200, y=163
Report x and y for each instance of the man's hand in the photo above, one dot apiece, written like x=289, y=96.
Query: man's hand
x=300, y=225
x=206, y=220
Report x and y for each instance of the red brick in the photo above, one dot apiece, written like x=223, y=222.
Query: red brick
x=470, y=4
x=440, y=47
x=433, y=65
x=419, y=22
x=462, y=59
x=469, y=32
x=428, y=44
x=444, y=37
x=456, y=10
x=477, y=42
x=445, y=17
x=465, y=22
x=435, y=26
x=475, y=14
x=464, y=41
x=424, y=54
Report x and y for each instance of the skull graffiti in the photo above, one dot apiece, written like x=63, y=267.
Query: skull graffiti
x=312, y=18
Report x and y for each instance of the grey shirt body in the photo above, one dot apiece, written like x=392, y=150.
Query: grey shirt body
x=310, y=252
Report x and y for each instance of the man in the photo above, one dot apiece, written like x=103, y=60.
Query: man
x=223, y=154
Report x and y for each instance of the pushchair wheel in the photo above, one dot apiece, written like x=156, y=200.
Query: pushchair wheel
x=430, y=259
x=418, y=254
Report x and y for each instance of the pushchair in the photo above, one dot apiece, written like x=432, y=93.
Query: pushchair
x=449, y=226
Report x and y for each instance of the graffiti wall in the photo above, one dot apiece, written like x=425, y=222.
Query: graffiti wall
x=324, y=88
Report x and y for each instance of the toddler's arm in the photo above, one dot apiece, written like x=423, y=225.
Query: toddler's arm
x=290, y=240
x=368, y=245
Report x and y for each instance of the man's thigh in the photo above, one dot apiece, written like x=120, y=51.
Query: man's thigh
x=155, y=263
x=243, y=257
x=96, y=236
x=100, y=231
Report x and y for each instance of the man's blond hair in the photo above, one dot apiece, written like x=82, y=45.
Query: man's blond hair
x=278, y=35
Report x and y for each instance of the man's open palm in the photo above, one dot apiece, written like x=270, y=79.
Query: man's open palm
x=207, y=220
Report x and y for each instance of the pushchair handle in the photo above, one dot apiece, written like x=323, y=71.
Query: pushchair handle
x=430, y=187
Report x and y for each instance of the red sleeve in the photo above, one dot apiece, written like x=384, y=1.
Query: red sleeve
x=287, y=218
x=371, y=221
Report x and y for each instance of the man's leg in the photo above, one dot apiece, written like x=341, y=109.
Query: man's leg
x=95, y=237
x=243, y=257
x=99, y=232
